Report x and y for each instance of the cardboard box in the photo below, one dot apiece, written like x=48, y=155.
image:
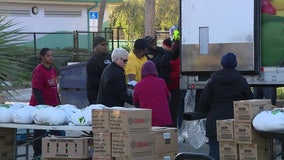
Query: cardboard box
x=228, y=150
x=245, y=110
x=142, y=157
x=131, y=145
x=100, y=120
x=245, y=133
x=225, y=130
x=66, y=147
x=257, y=151
x=7, y=137
x=102, y=145
x=103, y=158
x=130, y=120
x=43, y=158
x=7, y=153
x=164, y=156
x=166, y=139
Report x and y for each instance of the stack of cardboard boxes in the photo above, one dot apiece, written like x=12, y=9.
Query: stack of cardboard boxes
x=126, y=134
x=118, y=134
x=237, y=137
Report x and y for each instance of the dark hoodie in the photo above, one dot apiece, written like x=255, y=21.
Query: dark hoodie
x=216, y=99
x=149, y=69
x=152, y=93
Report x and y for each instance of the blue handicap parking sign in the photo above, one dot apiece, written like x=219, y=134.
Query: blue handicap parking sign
x=94, y=15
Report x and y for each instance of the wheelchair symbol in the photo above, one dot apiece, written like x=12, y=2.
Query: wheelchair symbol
x=93, y=15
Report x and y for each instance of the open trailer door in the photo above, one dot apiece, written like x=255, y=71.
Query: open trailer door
x=211, y=28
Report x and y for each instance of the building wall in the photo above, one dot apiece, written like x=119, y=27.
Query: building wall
x=52, y=17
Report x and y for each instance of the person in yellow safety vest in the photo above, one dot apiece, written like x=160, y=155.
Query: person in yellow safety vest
x=176, y=35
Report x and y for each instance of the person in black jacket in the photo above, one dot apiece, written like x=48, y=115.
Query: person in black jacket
x=160, y=57
x=216, y=99
x=113, y=87
x=95, y=66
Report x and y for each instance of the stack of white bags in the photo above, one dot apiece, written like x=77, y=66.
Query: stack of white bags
x=47, y=115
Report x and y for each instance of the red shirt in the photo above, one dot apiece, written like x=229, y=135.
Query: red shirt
x=45, y=80
x=174, y=74
x=152, y=93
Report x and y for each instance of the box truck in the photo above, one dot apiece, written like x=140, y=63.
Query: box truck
x=252, y=29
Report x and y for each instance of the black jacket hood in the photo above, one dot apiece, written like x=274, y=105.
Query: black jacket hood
x=226, y=76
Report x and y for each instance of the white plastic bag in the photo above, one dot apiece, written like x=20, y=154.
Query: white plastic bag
x=6, y=111
x=84, y=116
x=79, y=118
x=88, y=111
x=270, y=120
x=183, y=132
x=69, y=110
x=49, y=116
x=196, y=133
x=189, y=100
x=23, y=114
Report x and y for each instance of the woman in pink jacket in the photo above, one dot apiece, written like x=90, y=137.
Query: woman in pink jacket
x=152, y=93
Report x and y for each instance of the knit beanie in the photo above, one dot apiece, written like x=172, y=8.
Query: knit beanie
x=229, y=60
x=140, y=44
x=167, y=42
x=98, y=40
x=149, y=68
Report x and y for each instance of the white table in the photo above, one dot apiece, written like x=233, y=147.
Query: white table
x=46, y=127
x=40, y=127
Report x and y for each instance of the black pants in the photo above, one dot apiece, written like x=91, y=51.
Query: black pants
x=181, y=108
x=174, y=105
x=266, y=92
x=39, y=133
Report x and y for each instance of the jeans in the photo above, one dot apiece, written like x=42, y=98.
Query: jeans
x=40, y=133
x=214, y=147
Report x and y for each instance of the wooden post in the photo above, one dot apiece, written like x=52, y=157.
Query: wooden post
x=149, y=17
x=101, y=16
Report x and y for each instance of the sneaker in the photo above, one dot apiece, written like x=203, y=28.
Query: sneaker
x=36, y=157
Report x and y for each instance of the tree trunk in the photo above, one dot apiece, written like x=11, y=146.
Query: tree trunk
x=101, y=16
x=149, y=17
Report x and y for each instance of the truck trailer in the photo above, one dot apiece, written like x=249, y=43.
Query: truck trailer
x=251, y=29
